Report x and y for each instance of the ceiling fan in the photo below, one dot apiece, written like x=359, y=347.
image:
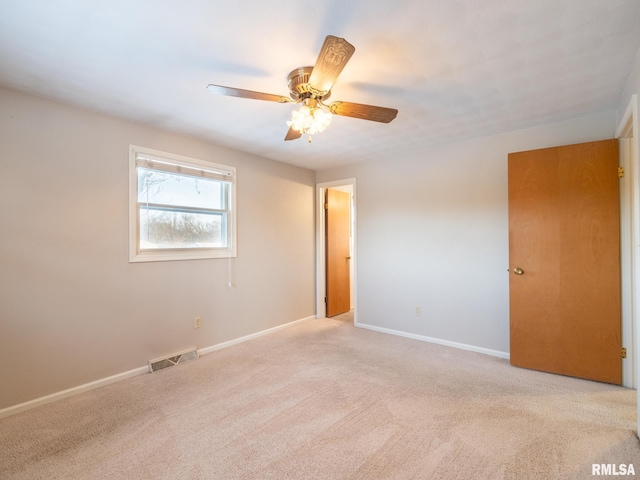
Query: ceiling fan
x=311, y=87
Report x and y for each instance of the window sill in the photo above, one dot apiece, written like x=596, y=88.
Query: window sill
x=171, y=255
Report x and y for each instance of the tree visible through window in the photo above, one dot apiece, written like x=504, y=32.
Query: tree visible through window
x=183, y=207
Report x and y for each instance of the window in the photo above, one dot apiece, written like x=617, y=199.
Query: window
x=179, y=208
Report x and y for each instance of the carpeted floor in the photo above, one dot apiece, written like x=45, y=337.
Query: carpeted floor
x=325, y=400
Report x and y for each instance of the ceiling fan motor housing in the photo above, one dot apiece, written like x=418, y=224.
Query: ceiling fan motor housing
x=299, y=88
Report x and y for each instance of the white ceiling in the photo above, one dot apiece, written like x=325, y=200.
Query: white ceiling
x=453, y=69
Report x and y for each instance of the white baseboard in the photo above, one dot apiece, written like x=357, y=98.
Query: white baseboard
x=21, y=407
x=219, y=346
x=462, y=346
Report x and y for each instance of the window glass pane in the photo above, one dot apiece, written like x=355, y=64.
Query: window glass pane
x=174, y=189
x=178, y=229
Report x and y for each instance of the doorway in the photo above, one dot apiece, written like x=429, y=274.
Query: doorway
x=346, y=185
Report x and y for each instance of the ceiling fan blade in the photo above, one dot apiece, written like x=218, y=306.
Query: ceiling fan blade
x=238, y=92
x=292, y=134
x=333, y=56
x=365, y=112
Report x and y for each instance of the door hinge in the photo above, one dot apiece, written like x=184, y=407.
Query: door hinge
x=326, y=206
x=623, y=352
x=325, y=299
x=620, y=172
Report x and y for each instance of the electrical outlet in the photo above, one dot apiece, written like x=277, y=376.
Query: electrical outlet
x=197, y=322
x=418, y=311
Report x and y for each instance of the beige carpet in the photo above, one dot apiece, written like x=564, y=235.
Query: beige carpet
x=325, y=400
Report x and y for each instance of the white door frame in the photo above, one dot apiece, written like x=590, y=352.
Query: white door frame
x=627, y=132
x=321, y=280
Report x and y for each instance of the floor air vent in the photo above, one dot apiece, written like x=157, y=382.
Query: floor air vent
x=174, y=359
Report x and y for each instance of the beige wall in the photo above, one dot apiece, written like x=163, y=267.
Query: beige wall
x=432, y=231
x=72, y=309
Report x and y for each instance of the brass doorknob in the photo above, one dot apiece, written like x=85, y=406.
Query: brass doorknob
x=518, y=271
x=348, y=258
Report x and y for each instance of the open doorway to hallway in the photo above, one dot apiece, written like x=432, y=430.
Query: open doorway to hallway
x=336, y=281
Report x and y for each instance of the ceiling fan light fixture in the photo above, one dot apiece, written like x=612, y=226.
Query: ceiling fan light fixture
x=309, y=120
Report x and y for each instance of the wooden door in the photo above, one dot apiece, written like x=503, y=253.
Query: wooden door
x=564, y=255
x=338, y=258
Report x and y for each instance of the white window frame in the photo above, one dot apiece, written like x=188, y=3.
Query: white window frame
x=173, y=162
